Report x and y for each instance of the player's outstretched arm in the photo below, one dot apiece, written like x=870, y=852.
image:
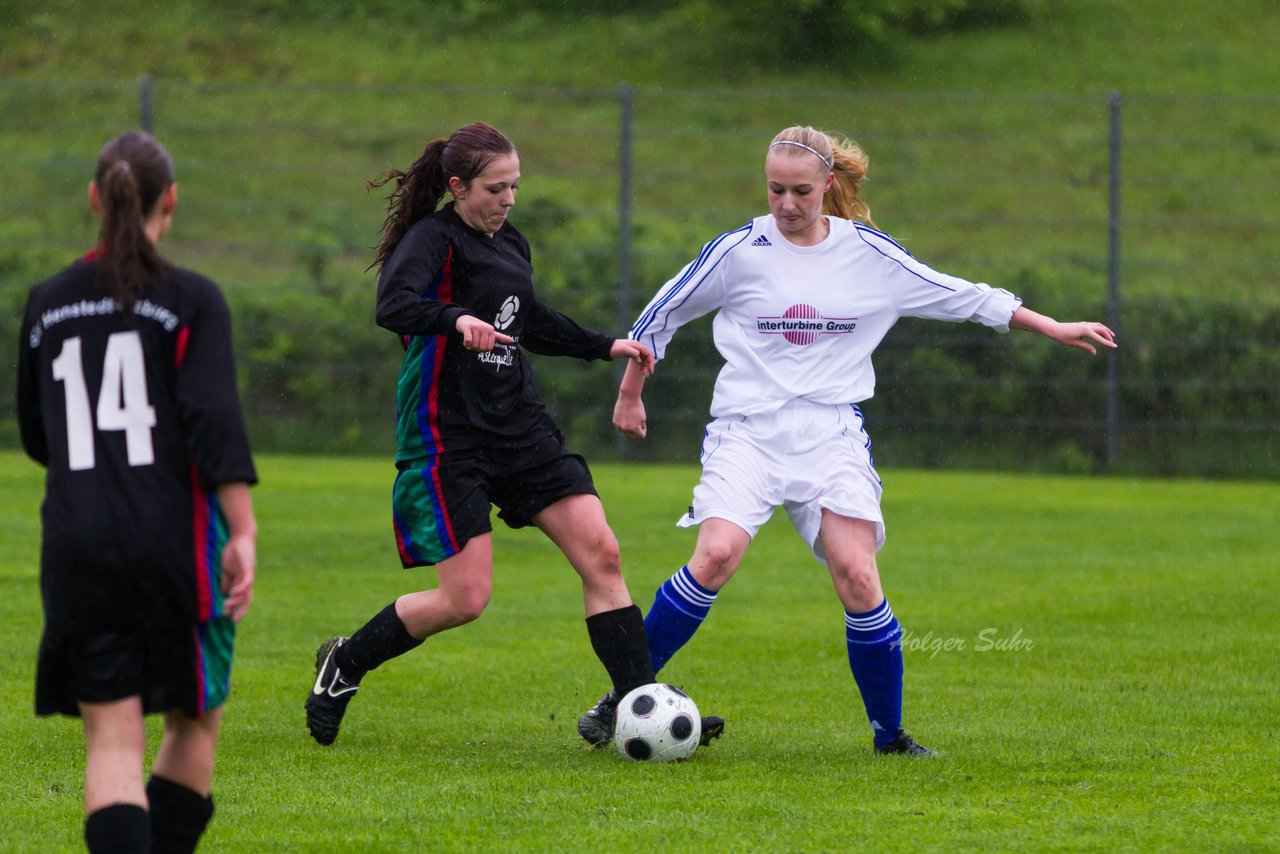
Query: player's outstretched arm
x=1083, y=334
x=628, y=412
x=239, y=555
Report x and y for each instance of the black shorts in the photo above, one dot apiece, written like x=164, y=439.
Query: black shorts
x=182, y=668
x=439, y=505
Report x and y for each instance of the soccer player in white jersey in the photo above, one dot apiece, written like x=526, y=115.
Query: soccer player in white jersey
x=802, y=297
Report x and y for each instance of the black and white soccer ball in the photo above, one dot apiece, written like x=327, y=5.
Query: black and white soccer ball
x=657, y=723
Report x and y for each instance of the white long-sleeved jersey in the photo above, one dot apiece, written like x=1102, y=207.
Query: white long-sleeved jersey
x=802, y=321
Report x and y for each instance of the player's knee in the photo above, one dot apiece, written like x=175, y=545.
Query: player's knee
x=597, y=559
x=608, y=557
x=468, y=604
x=714, y=563
x=859, y=582
x=184, y=730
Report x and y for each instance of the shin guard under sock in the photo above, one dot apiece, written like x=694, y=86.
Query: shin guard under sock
x=874, y=639
x=381, y=639
x=619, y=641
x=178, y=816
x=122, y=828
x=679, y=607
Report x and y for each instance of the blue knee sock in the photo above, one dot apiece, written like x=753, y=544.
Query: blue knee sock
x=874, y=639
x=679, y=607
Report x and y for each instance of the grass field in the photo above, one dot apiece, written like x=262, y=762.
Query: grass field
x=1094, y=658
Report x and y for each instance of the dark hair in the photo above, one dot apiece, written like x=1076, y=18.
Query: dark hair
x=133, y=170
x=417, y=192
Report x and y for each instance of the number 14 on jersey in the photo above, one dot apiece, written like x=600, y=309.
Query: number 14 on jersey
x=122, y=400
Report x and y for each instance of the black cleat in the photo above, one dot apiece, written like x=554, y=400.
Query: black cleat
x=328, y=700
x=712, y=728
x=904, y=743
x=596, y=726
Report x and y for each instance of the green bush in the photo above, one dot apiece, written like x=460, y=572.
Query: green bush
x=1197, y=377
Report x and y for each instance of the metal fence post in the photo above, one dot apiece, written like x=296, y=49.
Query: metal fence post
x=1113, y=280
x=146, y=118
x=626, y=111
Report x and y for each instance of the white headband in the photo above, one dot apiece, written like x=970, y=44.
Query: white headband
x=810, y=149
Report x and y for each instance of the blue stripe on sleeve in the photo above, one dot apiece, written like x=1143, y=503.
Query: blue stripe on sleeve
x=878, y=233
x=897, y=261
x=649, y=315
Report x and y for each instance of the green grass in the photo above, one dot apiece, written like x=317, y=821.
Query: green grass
x=1138, y=713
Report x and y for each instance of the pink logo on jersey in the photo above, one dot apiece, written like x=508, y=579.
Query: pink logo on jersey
x=802, y=324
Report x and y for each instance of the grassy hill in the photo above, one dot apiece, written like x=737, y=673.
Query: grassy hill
x=989, y=146
x=1148, y=47
x=1005, y=127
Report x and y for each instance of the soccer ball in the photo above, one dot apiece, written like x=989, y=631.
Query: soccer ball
x=657, y=723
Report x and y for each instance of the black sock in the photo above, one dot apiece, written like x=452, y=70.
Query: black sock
x=118, y=828
x=178, y=816
x=381, y=639
x=621, y=645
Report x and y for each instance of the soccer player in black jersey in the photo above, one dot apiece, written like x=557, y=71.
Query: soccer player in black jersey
x=127, y=397
x=456, y=285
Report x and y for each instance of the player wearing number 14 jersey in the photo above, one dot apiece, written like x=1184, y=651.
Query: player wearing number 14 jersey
x=134, y=415
x=127, y=397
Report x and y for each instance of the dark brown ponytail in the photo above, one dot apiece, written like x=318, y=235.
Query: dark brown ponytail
x=133, y=170
x=417, y=192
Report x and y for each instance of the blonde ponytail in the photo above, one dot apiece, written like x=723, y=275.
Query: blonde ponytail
x=844, y=199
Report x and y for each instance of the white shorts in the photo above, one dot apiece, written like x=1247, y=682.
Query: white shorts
x=806, y=457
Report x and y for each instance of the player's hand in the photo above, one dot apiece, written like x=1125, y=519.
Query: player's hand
x=1083, y=335
x=625, y=348
x=239, y=566
x=478, y=335
x=629, y=417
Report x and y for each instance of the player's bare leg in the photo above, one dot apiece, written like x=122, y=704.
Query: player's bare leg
x=577, y=525
x=464, y=586
x=872, y=633
x=850, y=545
x=187, y=750
x=718, y=553
x=181, y=776
x=115, y=740
x=115, y=802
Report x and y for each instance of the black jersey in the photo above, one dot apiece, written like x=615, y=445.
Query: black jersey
x=136, y=419
x=448, y=395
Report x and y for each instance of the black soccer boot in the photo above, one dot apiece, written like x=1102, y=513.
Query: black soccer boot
x=596, y=726
x=327, y=702
x=905, y=744
x=712, y=728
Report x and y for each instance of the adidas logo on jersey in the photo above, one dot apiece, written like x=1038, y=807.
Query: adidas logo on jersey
x=761, y=241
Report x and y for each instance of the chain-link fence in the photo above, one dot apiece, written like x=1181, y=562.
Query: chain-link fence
x=1158, y=214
